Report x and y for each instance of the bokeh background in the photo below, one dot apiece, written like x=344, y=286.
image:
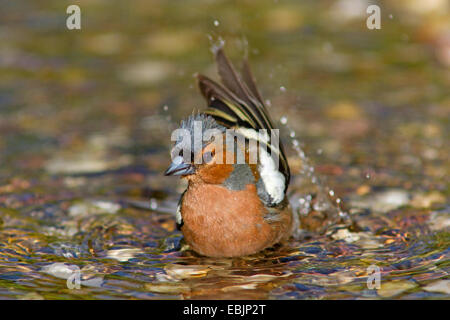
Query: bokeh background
x=85, y=123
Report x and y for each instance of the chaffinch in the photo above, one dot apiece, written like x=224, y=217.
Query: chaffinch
x=232, y=208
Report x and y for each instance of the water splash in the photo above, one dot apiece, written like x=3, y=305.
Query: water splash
x=153, y=204
x=325, y=199
x=216, y=44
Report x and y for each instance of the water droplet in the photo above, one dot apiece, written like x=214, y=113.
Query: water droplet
x=319, y=151
x=295, y=143
x=283, y=120
x=153, y=204
x=338, y=200
x=282, y=89
x=216, y=23
x=292, y=134
x=331, y=193
x=367, y=175
x=166, y=107
x=216, y=45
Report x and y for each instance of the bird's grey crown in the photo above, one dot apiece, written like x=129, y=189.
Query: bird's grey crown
x=207, y=123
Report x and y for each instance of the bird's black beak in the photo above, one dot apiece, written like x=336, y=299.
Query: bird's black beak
x=179, y=169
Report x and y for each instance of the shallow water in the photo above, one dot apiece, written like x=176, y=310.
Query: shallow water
x=85, y=122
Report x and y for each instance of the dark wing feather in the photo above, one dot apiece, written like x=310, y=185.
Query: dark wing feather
x=238, y=102
x=249, y=80
x=231, y=106
x=233, y=82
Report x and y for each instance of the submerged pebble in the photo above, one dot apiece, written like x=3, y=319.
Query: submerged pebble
x=167, y=287
x=123, y=255
x=426, y=200
x=442, y=286
x=382, y=201
x=69, y=272
x=31, y=296
x=186, y=272
x=60, y=270
x=88, y=208
x=394, y=288
x=439, y=220
x=347, y=236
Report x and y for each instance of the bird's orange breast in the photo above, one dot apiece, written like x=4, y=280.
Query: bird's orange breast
x=219, y=222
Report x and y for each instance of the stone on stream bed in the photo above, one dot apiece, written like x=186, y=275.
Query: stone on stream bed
x=87, y=208
x=381, y=201
x=395, y=288
x=442, y=286
x=186, y=272
x=439, y=220
x=123, y=255
x=66, y=272
x=426, y=200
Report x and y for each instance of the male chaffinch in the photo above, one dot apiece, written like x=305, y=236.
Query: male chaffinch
x=232, y=209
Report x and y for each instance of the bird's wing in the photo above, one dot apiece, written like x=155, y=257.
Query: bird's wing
x=238, y=103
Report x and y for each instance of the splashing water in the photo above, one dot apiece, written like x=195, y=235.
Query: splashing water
x=325, y=199
x=215, y=44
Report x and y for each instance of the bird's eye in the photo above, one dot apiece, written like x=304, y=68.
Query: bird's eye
x=208, y=156
x=186, y=156
x=181, y=155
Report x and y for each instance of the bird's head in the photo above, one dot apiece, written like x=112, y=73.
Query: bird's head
x=199, y=150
